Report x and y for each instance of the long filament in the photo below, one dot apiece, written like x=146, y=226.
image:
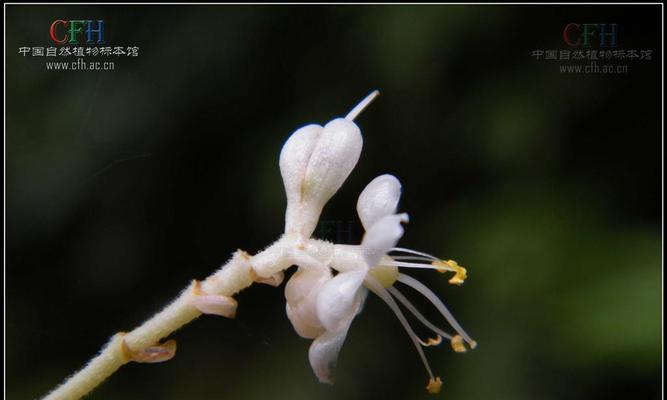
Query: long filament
x=416, y=313
x=426, y=292
x=417, y=253
x=423, y=266
x=382, y=293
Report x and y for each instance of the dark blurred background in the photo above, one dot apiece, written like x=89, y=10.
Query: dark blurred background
x=123, y=185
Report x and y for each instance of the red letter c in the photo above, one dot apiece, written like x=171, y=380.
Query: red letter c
x=53, y=31
x=566, y=34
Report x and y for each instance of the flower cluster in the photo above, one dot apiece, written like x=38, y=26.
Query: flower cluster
x=326, y=293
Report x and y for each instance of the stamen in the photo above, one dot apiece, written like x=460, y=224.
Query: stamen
x=457, y=344
x=431, y=341
x=434, y=385
x=412, y=258
x=418, y=253
x=416, y=265
x=396, y=293
x=426, y=292
x=362, y=104
x=450, y=265
x=382, y=293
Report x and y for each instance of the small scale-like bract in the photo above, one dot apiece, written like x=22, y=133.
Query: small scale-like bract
x=331, y=282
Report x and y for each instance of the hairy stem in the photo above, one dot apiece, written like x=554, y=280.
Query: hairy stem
x=234, y=276
x=142, y=344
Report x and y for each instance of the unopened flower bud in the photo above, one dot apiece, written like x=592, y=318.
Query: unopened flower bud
x=314, y=163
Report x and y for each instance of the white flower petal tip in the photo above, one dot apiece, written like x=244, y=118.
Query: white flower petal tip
x=212, y=304
x=434, y=385
x=153, y=354
x=378, y=199
x=323, y=354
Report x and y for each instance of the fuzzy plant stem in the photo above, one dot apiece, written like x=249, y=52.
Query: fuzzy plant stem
x=140, y=343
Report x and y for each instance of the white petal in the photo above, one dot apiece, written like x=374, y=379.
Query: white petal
x=335, y=155
x=323, y=354
x=304, y=329
x=381, y=237
x=378, y=199
x=340, y=299
x=301, y=293
x=304, y=281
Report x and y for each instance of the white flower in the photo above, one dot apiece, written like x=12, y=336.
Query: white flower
x=322, y=306
x=314, y=163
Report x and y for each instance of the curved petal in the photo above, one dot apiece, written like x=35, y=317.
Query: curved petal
x=323, y=354
x=301, y=293
x=340, y=299
x=381, y=237
x=378, y=199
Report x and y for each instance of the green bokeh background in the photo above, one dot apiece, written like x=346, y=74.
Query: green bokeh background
x=123, y=185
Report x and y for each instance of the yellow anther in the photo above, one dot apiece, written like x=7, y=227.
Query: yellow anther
x=431, y=341
x=434, y=385
x=458, y=345
x=460, y=273
x=441, y=266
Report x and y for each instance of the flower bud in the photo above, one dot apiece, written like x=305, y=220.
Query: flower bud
x=314, y=163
